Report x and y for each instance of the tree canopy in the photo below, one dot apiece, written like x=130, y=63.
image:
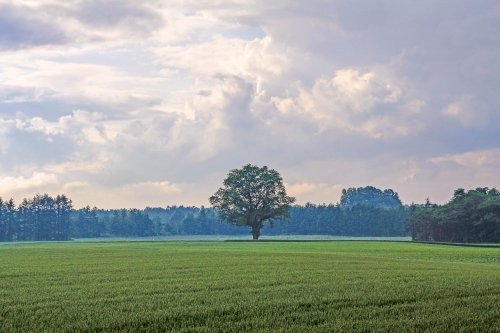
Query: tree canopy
x=469, y=217
x=369, y=196
x=39, y=218
x=250, y=196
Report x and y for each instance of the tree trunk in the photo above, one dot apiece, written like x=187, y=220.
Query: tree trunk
x=255, y=232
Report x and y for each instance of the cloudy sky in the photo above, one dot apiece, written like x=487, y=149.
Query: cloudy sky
x=150, y=103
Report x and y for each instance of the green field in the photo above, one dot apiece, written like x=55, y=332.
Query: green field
x=244, y=286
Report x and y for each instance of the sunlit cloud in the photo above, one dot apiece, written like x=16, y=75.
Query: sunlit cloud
x=38, y=181
x=129, y=104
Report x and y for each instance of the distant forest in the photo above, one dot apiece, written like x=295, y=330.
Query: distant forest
x=363, y=211
x=472, y=216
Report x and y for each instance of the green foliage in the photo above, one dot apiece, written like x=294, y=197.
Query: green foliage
x=226, y=287
x=469, y=217
x=360, y=220
x=310, y=219
x=7, y=220
x=44, y=218
x=252, y=196
x=369, y=196
x=87, y=223
x=39, y=218
x=125, y=223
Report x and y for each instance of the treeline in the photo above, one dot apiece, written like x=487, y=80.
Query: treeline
x=46, y=218
x=369, y=196
x=39, y=218
x=92, y=223
x=358, y=220
x=469, y=217
x=310, y=219
x=181, y=220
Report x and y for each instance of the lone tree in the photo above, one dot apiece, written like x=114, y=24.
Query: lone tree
x=251, y=196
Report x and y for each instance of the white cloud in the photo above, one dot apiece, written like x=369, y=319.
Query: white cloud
x=213, y=121
x=83, y=125
x=132, y=195
x=35, y=182
x=471, y=111
x=331, y=93
x=80, y=164
x=364, y=102
x=314, y=192
x=152, y=188
x=75, y=186
x=300, y=188
x=471, y=159
x=227, y=56
x=101, y=85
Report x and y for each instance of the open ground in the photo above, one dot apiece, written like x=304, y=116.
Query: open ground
x=181, y=286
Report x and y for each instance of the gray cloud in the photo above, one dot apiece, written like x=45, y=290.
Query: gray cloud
x=25, y=26
x=135, y=18
x=114, y=12
x=22, y=27
x=396, y=94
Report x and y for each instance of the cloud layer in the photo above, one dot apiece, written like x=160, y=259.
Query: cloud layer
x=128, y=104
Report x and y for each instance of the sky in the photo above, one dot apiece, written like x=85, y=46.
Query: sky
x=151, y=103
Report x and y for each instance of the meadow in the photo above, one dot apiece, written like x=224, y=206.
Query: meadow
x=181, y=286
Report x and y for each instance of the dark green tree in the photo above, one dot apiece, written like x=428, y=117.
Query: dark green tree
x=369, y=196
x=4, y=234
x=63, y=207
x=469, y=217
x=10, y=218
x=251, y=196
x=86, y=223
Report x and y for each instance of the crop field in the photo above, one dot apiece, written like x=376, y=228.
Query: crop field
x=178, y=286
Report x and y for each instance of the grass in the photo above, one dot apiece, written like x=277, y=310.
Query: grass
x=241, y=287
